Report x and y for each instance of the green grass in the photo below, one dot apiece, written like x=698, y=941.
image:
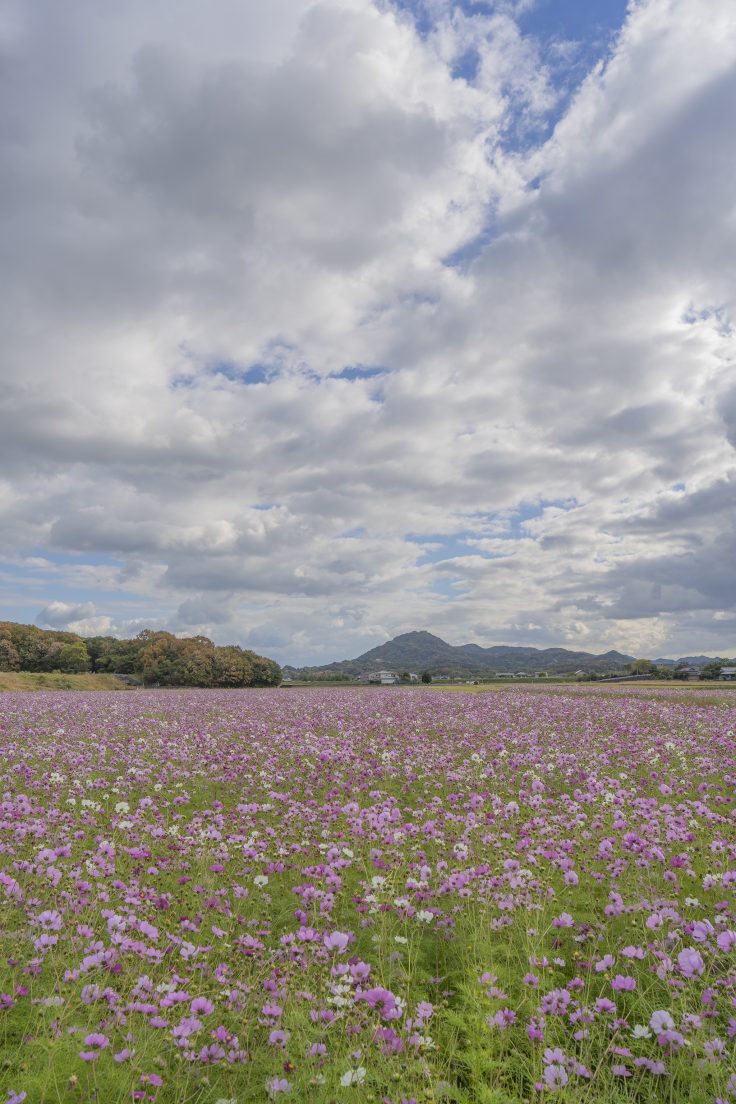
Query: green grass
x=15, y=681
x=466, y=1059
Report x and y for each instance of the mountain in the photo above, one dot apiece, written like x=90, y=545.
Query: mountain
x=423, y=651
x=692, y=661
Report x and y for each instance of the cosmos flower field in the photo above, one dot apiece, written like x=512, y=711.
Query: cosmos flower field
x=368, y=895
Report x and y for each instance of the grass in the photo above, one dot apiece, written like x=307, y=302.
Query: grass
x=176, y=834
x=684, y=690
x=15, y=681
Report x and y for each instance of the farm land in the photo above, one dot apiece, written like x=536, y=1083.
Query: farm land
x=399, y=896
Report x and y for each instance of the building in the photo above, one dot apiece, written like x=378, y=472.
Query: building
x=728, y=673
x=379, y=678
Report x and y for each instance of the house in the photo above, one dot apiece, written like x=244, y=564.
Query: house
x=379, y=678
x=728, y=673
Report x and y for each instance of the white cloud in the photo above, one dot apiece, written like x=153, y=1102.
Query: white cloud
x=281, y=186
x=80, y=618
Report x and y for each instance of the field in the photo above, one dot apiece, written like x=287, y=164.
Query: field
x=13, y=681
x=363, y=895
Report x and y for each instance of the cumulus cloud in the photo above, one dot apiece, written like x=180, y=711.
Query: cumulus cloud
x=81, y=618
x=57, y=615
x=315, y=333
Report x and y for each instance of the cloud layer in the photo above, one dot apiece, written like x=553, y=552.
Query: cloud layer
x=323, y=323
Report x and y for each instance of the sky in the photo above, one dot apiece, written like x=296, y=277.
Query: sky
x=327, y=320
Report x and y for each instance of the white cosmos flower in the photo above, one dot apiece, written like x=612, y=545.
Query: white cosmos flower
x=353, y=1077
x=661, y=1021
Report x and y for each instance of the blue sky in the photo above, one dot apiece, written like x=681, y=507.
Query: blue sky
x=583, y=21
x=326, y=320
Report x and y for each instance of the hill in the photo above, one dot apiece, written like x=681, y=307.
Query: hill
x=153, y=658
x=423, y=651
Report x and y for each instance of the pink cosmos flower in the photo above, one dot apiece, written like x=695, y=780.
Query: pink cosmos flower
x=624, y=983
x=555, y=1076
x=278, y=1085
x=553, y=1056
x=201, y=1005
x=359, y=971
x=701, y=930
x=98, y=1042
x=279, y=1038
x=188, y=1026
x=336, y=941
x=211, y=1054
x=382, y=999
x=504, y=1018
x=671, y=1040
x=726, y=940
x=690, y=962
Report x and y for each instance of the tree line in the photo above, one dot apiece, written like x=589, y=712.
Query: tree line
x=681, y=670
x=153, y=658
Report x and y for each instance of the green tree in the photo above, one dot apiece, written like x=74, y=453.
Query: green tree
x=266, y=672
x=712, y=670
x=155, y=656
x=426, y=677
x=73, y=657
x=232, y=667
x=9, y=658
x=643, y=667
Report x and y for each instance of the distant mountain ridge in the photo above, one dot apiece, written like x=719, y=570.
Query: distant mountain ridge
x=423, y=651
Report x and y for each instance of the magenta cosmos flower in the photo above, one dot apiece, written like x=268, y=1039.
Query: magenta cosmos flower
x=97, y=1044
x=382, y=999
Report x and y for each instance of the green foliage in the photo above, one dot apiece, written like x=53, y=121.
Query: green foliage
x=158, y=658
x=426, y=677
x=27, y=648
x=9, y=657
x=643, y=667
